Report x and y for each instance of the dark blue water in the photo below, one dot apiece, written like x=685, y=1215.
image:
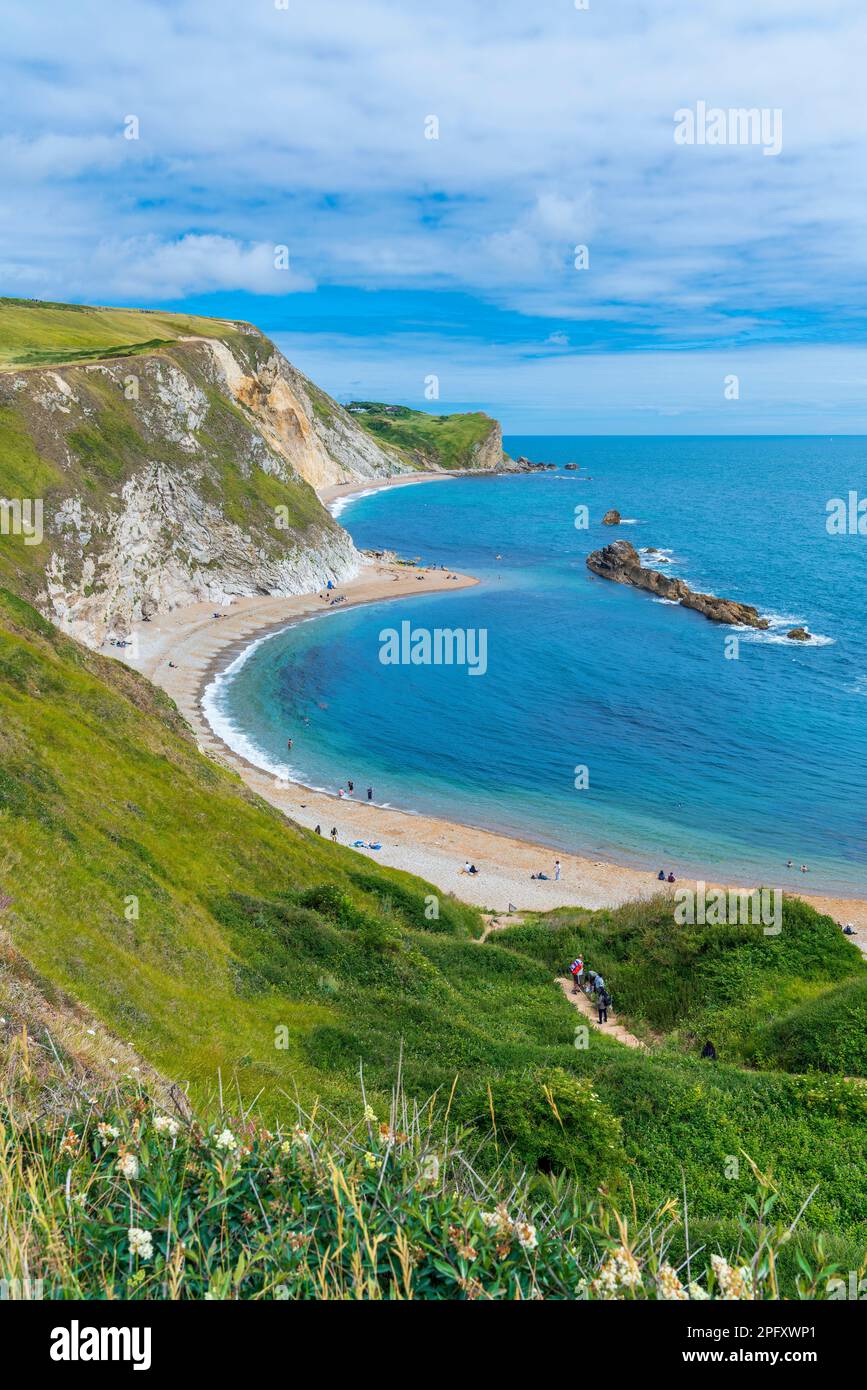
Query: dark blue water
x=728, y=767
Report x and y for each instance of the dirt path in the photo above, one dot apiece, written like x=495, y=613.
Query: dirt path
x=492, y=923
x=612, y=1027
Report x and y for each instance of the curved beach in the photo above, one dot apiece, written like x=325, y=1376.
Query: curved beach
x=200, y=647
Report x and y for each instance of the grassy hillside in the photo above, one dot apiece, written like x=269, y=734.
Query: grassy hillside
x=218, y=940
x=433, y=441
x=34, y=333
x=796, y=1001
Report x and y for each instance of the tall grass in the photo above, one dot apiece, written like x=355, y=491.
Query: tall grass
x=122, y=1200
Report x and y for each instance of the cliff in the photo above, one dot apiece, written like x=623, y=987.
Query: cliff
x=621, y=563
x=469, y=442
x=168, y=466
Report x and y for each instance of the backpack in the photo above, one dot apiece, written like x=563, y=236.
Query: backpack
x=575, y=966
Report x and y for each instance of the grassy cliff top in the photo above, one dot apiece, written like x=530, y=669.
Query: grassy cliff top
x=443, y=441
x=34, y=333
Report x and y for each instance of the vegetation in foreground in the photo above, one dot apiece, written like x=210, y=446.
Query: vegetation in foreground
x=129, y=1201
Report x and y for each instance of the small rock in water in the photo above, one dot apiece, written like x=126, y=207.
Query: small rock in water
x=611, y=518
x=798, y=634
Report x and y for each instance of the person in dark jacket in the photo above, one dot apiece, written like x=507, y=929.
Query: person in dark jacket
x=603, y=1000
x=709, y=1051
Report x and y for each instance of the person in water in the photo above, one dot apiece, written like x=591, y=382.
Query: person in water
x=351, y=787
x=370, y=793
x=288, y=743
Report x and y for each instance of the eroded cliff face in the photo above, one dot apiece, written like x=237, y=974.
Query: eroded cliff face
x=178, y=476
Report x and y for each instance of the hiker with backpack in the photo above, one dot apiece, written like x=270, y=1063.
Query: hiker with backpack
x=576, y=970
x=603, y=999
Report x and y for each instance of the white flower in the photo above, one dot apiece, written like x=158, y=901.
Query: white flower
x=669, y=1286
x=227, y=1141
x=107, y=1132
x=127, y=1164
x=526, y=1234
x=370, y=1114
x=733, y=1283
x=164, y=1124
x=140, y=1242
x=697, y=1293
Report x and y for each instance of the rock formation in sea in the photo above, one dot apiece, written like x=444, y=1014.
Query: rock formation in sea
x=621, y=563
x=611, y=517
x=798, y=634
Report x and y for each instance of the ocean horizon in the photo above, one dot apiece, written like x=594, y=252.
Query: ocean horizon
x=607, y=722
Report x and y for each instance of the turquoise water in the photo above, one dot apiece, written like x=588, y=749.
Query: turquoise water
x=726, y=767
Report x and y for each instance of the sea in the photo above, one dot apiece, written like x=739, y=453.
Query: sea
x=606, y=721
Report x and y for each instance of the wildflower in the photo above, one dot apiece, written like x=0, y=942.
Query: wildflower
x=164, y=1124
x=300, y=1135
x=619, y=1272
x=370, y=1160
x=697, y=1293
x=369, y=1115
x=70, y=1144
x=285, y=1147
x=297, y=1240
x=499, y=1221
x=140, y=1242
x=127, y=1165
x=733, y=1283
x=669, y=1286
x=461, y=1244
x=226, y=1141
x=527, y=1238
x=107, y=1132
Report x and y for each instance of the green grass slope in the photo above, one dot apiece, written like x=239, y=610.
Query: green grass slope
x=433, y=441
x=794, y=1001
x=219, y=940
x=34, y=333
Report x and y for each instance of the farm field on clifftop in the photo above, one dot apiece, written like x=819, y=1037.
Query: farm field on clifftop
x=38, y=334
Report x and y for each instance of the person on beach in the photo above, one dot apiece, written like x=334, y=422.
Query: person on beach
x=556, y=870
x=334, y=833
x=370, y=793
x=341, y=793
x=661, y=875
x=317, y=830
x=671, y=879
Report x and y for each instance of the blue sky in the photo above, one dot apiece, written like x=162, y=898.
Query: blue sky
x=263, y=125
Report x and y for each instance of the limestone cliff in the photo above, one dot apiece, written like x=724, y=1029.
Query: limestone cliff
x=174, y=473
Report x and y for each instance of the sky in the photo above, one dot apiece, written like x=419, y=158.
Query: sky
x=398, y=191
